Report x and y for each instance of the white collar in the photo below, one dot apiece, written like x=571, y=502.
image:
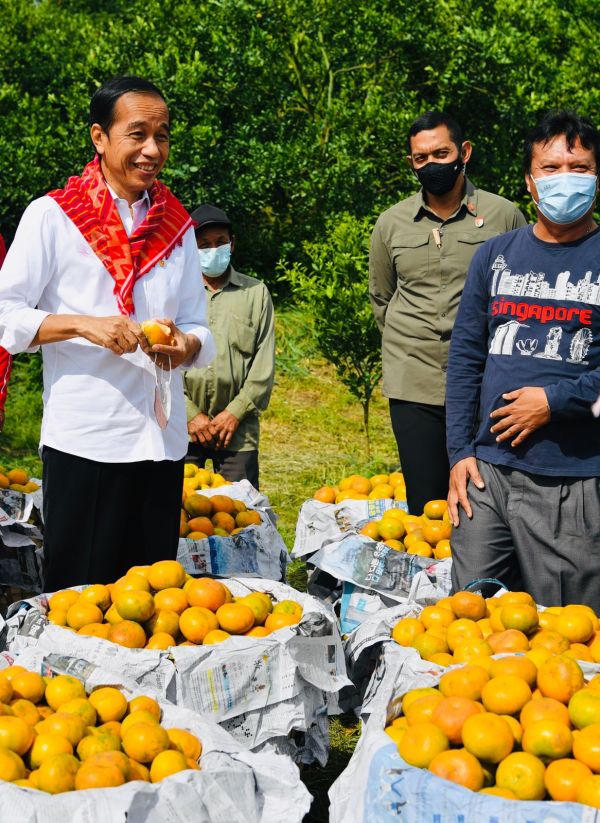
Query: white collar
x=144, y=199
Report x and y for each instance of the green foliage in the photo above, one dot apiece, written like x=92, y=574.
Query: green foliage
x=333, y=289
x=20, y=437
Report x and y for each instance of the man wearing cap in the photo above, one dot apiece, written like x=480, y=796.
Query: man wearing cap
x=225, y=399
x=420, y=252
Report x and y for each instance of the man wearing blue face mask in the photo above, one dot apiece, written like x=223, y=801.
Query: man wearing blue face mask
x=524, y=370
x=224, y=400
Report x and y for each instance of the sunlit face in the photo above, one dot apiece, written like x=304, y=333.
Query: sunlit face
x=555, y=157
x=435, y=146
x=136, y=147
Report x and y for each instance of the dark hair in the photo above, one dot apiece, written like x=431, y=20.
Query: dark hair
x=102, y=104
x=566, y=122
x=433, y=119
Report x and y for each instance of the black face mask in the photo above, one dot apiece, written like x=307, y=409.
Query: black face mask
x=439, y=178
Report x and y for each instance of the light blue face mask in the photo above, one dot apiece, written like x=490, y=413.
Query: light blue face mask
x=564, y=198
x=213, y=262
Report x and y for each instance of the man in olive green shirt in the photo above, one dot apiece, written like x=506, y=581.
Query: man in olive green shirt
x=224, y=399
x=420, y=252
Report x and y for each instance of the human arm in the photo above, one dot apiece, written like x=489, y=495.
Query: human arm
x=5, y=369
x=466, y=364
x=382, y=276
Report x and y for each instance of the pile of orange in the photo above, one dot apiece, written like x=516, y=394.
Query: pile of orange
x=56, y=738
x=427, y=535
x=17, y=479
x=203, y=516
x=517, y=728
x=467, y=628
x=358, y=487
x=159, y=606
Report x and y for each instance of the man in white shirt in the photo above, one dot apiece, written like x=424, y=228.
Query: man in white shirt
x=88, y=264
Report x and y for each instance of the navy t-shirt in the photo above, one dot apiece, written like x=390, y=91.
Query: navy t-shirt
x=529, y=316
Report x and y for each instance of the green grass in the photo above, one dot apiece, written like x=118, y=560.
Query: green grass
x=311, y=435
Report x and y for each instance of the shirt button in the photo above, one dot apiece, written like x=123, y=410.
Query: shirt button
x=443, y=287
x=443, y=314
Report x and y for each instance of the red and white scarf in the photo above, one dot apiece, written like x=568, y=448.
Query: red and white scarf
x=87, y=201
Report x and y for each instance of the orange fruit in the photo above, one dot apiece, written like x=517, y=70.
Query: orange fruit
x=586, y=746
x=163, y=622
x=581, y=608
x=509, y=640
x=544, y=708
x=161, y=641
x=547, y=739
x=278, y=620
x=98, y=776
x=516, y=597
x=584, y=708
x=128, y=633
x=560, y=677
x=130, y=582
x=459, y=766
x=81, y=707
x=520, y=616
x=461, y=629
x=224, y=521
x=391, y=529
x=195, y=624
x=288, y=607
x=420, y=744
x=222, y=503
x=137, y=771
x=258, y=631
x=538, y=656
x=450, y=714
x=505, y=695
x=468, y=604
x=167, y=763
x=26, y=710
x=487, y=736
x=215, y=636
x=414, y=536
x=97, y=594
x=98, y=741
x=236, y=618
x=198, y=505
x=406, y=630
x=523, y=774
x=579, y=651
x=434, y=509
x=112, y=758
x=144, y=741
x=12, y=767
x=144, y=703
x=468, y=681
x=551, y=640
x=166, y=574
x=563, y=778
x=326, y=494
x=470, y=649
x=258, y=605
x=62, y=689
x=588, y=792
x=134, y=605
x=246, y=518
x=47, y=745
x=140, y=716
x=383, y=491
x=82, y=613
x=517, y=666
x=496, y=791
x=157, y=334
x=185, y=742
x=577, y=627
x=206, y=592
x=420, y=548
x=360, y=484
x=28, y=685
x=421, y=710
x=201, y=524
x=547, y=620
x=101, y=630
x=70, y=726
x=15, y=734
x=110, y=703
x=436, y=530
x=429, y=643
x=371, y=529
x=413, y=695
x=172, y=600
x=57, y=774
x=441, y=659
x=442, y=550
x=435, y=616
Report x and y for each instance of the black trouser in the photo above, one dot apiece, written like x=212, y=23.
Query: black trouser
x=420, y=432
x=102, y=518
x=233, y=466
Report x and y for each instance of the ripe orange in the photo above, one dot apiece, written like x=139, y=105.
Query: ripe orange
x=461, y=629
x=215, y=636
x=62, y=689
x=505, y=695
x=516, y=665
x=584, y=708
x=81, y=613
x=195, y=623
x=560, y=677
x=204, y=525
x=137, y=771
x=144, y=741
x=520, y=616
x=161, y=641
x=259, y=631
x=586, y=746
x=26, y=710
x=371, y=530
x=172, y=600
x=185, y=742
x=420, y=744
x=98, y=776
x=450, y=714
x=487, y=736
x=509, y=640
x=98, y=741
x=205, y=592
x=410, y=697
x=523, y=774
x=589, y=791
x=163, y=622
x=128, y=633
x=551, y=640
x=429, y=643
x=71, y=726
x=167, y=763
x=47, y=745
x=96, y=630
x=28, y=685
x=57, y=774
x=11, y=766
x=547, y=739
x=544, y=708
x=515, y=597
x=198, y=505
x=468, y=604
x=406, y=630
x=435, y=616
x=442, y=550
x=577, y=627
x=467, y=681
x=110, y=703
x=496, y=791
x=130, y=582
x=235, y=618
x=166, y=574
x=436, y=530
x=434, y=509
x=563, y=778
x=421, y=710
x=134, y=605
x=140, y=716
x=473, y=648
x=144, y=703
x=459, y=766
x=326, y=494
x=97, y=594
x=391, y=529
x=222, y=503
x=15, y=734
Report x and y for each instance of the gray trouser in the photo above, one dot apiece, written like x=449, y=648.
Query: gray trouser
x=533, y=533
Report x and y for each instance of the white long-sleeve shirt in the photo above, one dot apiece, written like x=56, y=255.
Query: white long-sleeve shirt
x=97, y=404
